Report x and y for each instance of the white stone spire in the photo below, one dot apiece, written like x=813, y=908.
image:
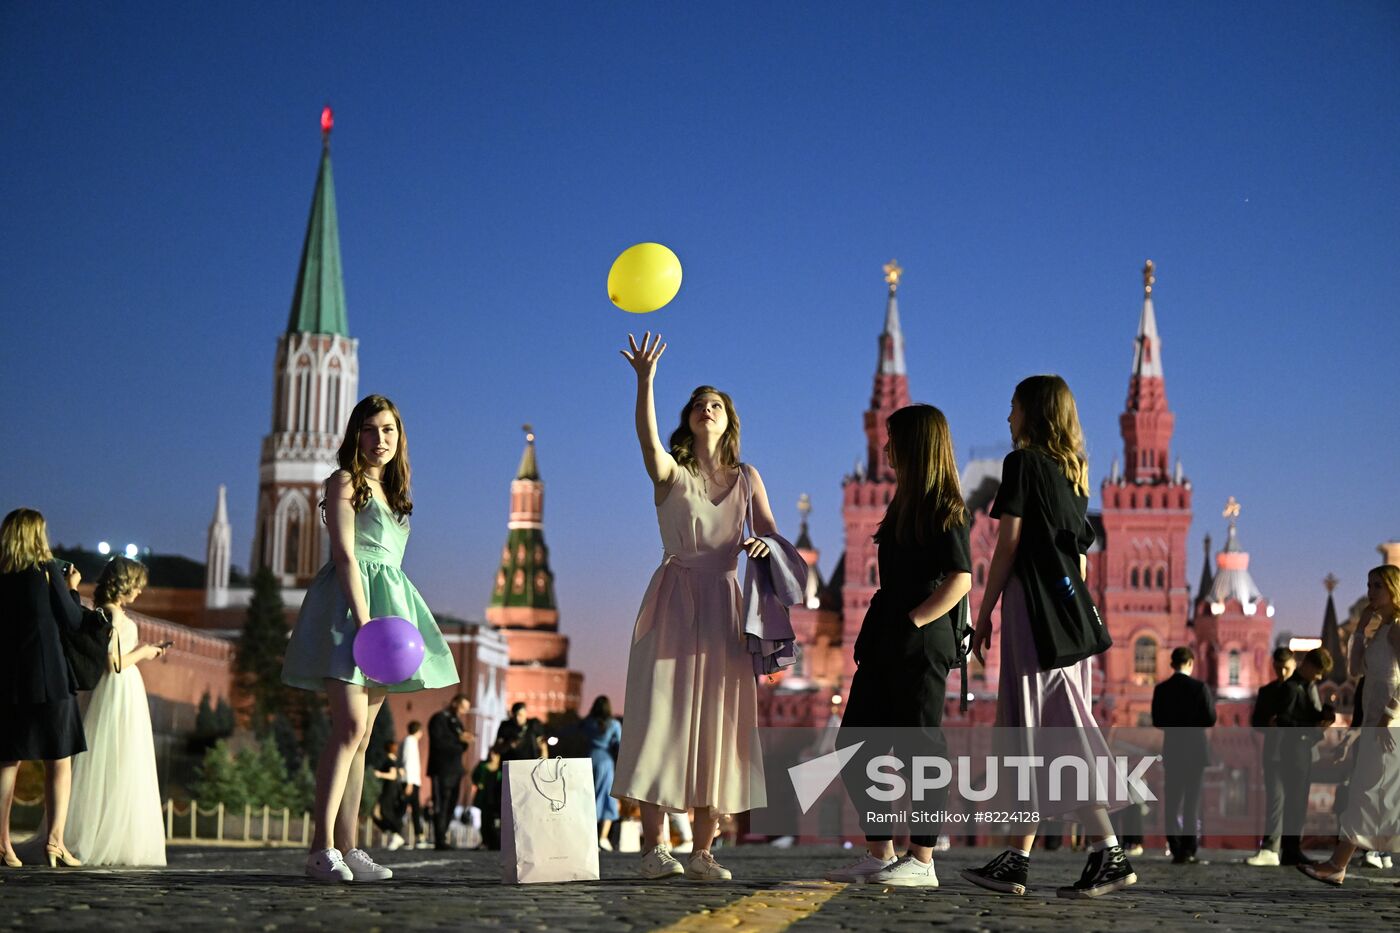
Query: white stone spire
x=1147, y=351
x=216, y=569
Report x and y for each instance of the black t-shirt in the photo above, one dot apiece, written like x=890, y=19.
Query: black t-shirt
x=910, y=572
x=1034, y=488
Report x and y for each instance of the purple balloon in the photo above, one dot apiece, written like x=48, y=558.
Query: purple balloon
x=389, y=649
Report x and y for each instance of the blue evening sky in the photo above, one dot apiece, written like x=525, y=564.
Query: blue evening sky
x=1020, y=159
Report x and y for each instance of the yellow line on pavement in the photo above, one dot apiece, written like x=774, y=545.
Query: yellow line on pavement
x=770, y=911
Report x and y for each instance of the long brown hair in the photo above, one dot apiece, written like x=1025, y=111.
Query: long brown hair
x=927, y=494
x=1389, y=577
x=683, y=439
x=396, y=474
x=1050, y=424
x=24, y=541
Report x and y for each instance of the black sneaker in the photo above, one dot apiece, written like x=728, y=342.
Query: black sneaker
x=1107, y=870
x=1005, y=873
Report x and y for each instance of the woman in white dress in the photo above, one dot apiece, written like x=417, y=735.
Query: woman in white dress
x=691, y=740
x=1371, y=819
x=115, y=814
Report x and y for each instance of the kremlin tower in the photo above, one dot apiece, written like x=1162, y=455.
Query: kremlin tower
x=1233, y=623
x=867, y=491
x=315, y=380
x=1139, y=576
x=522, y=603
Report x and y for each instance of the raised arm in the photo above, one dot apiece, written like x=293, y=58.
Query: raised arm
x=661, y=466
x=1003, y=559
x=340, y=521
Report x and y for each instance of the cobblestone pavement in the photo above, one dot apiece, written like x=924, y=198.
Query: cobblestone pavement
x=262, y=890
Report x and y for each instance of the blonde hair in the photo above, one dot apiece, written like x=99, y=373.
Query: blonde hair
x=24, y=541
x=396, y=474
x=926, y=493
x=1050, y=424
x=1389, y=576
x=119, y=580
x=683, y=439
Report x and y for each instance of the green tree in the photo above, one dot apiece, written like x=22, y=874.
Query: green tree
x=220, y=779
x=258, y=662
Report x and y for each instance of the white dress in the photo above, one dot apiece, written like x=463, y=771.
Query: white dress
x=691, y=736
x=115, y=815
x=1371, y=819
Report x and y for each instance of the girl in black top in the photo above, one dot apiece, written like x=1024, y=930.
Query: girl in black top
x=1044, y=497
x=906, y=643
x=39, y=718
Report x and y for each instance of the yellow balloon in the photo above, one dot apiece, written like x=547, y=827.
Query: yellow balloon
x=645, y=277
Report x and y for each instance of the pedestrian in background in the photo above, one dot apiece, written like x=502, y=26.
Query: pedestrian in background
x=389, y=808
x=1271, y=700
x=39, y=718
x=1183, y=708
x=1371, y=819
x=116, y=817
x=604, y=734
x=411, y=756
x=448, y=739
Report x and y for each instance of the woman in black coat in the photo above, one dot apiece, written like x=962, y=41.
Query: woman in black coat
x=39, y=718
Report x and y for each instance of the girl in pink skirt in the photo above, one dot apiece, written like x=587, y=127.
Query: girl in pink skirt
x=1045, y=482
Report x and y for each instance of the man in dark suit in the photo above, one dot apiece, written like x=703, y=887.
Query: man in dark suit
x=1183, y=708
x=1298, y=716
x=1273, y=698
x=522, y=737
x=448, y=739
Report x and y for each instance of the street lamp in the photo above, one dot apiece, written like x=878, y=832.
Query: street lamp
x=104, y=548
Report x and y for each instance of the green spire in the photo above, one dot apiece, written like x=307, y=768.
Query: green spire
x=318, y=303
x=528, y=468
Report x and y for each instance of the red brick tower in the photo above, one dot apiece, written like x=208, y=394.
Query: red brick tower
x=523, y=606
x=1139, y=578
x=869, y=489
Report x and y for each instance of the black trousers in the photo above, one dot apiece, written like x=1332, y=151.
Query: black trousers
x=446, y=792
x=1273, y=806
x=415, y=810
x=1181, y=816
x=895, y=706
x=1296, y=777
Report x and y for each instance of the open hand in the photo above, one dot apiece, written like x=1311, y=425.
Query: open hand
x=643, y=358
x=755, y=547
x=73, y=577
x=982, y=640
x=1386, y=737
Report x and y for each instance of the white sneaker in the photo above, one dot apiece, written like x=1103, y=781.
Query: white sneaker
x=366, y=868
x=327, y=867
x=858, y=871
x=907, y=872
x=701, y=866
x=1373, y=859
x=604, y=844
x=395, y=842
x=1386, y=861
x=1265, y=857
x=658, y=863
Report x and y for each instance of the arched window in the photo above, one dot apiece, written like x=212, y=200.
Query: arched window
x=291, y=560
x=981, y=574
x=1145, y=656
x=1133, y=579
x=873, y=572
x=1234, y=668
x=1161, y=578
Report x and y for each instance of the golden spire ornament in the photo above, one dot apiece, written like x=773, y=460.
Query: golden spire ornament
x=1148, y=278
x=1330, y=581
x=892, y=274
x=1232, y=510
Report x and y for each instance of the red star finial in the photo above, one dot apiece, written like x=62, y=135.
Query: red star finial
x=327, y=120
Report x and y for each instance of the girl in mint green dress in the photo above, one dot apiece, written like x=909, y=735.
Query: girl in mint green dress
x=367, y=506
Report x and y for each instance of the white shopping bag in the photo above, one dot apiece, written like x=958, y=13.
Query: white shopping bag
x=549, y=829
